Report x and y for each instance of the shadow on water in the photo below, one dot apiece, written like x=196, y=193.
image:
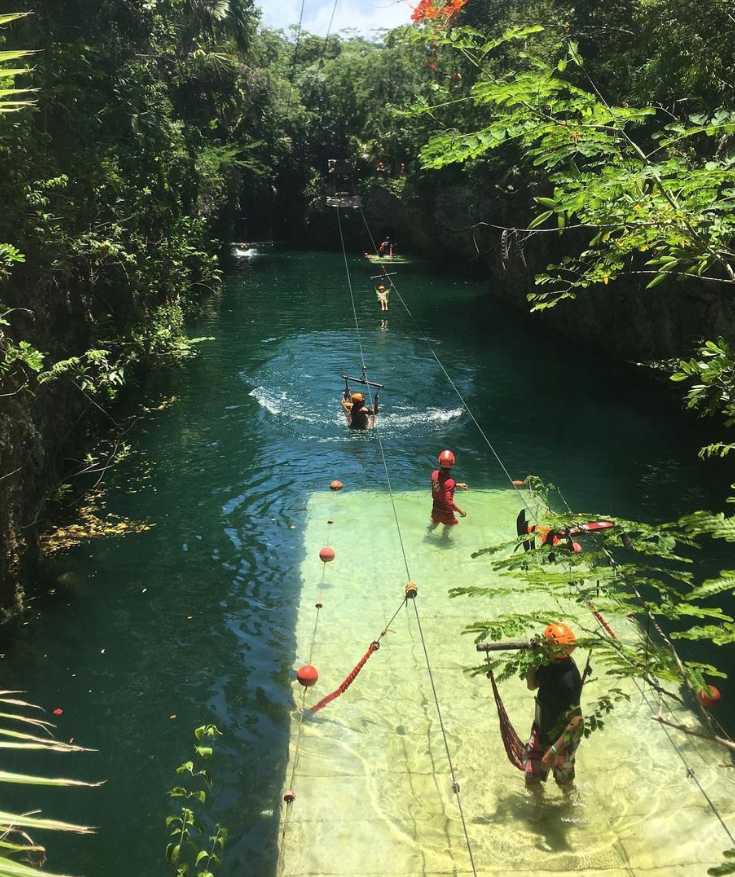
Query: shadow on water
x=549, y=820
x=149, y=636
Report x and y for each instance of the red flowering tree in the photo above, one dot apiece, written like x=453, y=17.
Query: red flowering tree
x=442, y=11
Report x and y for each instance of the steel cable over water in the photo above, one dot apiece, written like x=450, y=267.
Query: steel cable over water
x=455, y=784
x=441, y=365
x=600, y=621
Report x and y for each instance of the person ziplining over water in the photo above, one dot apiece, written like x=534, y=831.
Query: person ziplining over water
x=442, y=494
x=357, y=413
x=382, y=293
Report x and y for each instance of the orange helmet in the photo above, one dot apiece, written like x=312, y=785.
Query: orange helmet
x=357, y=397
x=446, y=459
x=562, y=640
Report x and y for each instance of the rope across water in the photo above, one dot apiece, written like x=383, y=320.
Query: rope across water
x=455, y=784
x=690, y=771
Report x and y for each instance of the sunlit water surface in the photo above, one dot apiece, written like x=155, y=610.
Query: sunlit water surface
x=203, y=618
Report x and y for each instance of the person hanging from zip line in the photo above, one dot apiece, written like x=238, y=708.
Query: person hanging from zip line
x=382, y=294
x=357, y=413
x=443, y=486
x=558, y=723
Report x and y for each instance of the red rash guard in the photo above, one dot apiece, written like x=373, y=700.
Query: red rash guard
x=442, y=492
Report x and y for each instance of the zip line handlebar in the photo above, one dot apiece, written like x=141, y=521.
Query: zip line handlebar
x=362, y=381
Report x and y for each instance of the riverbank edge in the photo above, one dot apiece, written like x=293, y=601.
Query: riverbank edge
x=44, y=433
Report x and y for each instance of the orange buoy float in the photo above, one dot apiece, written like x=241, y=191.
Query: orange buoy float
x=518, y=483
x=307, y=675
x=411, y=590
x=335, y=485
x=326, y=554
x=709, y=695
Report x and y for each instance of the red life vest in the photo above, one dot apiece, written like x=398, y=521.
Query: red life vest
x=442, y=491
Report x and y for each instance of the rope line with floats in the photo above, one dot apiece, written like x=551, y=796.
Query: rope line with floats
x=511, y=740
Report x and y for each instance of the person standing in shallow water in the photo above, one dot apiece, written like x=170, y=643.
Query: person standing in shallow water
x=442, y=493
x=558, y=724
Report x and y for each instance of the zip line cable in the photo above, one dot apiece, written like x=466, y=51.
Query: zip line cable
x=328, y=34
x=611, y=559
x=455, y=783
x=295, y=55
x=441, y=365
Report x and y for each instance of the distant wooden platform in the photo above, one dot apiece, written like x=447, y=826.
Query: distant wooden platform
x=388, y=260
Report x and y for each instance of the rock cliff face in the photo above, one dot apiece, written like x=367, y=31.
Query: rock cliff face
x=35, y=434
x=625, y=322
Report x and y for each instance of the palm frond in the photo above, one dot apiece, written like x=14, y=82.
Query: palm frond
x=9, y=868
x=33, y=780
x=7, y=17
x=19, y=820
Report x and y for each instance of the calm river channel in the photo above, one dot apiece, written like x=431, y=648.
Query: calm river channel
x=193, y=621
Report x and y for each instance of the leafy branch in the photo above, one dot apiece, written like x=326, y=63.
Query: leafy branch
x=192, y=850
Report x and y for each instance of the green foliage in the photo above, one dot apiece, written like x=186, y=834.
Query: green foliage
x=666, y=212
x=15, y=840
x=13, y=99
x=650, y=577
x=595, y=713
x=727, y=867
x=606, y=158
x=711, y=376
x=192, y=848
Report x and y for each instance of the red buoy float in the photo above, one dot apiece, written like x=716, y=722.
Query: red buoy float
x=326, y=554
x=335, y=485
x=58, y=711
x=709, y=695
x=289, y=796
x=307, y=675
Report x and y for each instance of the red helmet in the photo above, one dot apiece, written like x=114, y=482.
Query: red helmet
x=446, y=459
x=561, y=639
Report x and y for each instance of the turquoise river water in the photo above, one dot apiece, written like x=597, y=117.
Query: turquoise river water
x=205, y=616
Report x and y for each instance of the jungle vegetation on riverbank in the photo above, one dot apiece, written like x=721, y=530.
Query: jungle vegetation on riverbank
x=162, y=129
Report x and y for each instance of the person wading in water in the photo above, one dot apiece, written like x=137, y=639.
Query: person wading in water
x=442, y=493
x=358, y=414
x=558, y=725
